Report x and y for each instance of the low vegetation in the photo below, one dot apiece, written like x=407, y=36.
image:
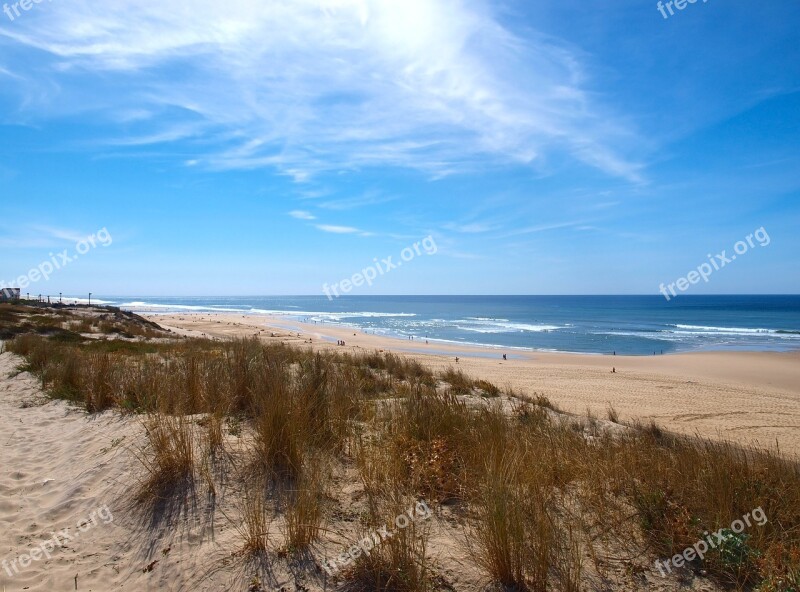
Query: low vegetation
x=538, y=499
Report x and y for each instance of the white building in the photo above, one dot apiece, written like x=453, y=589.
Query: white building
x=9, y=294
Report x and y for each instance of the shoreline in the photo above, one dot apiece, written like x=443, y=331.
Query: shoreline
x=284, y=322
x=746, y=397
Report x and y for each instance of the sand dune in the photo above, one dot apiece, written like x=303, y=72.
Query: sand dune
x=73, y=476
x=67, y=473
x=746, y=397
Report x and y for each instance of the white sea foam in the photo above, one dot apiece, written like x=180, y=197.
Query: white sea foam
x=151, y=307
x=699, y=329
x=69, y=299
x=486, y=319
x=315, y=315
x=330, y=315
x=486, y=326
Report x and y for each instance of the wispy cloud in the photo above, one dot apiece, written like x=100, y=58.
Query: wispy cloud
x=302, y=215
x=62, y=234
x=324, y=85
x=338, y=229
x=370, y=198
x=470, y=228
x=545, y=227
x=162, y=136
x=38, y=236
x=5, y=72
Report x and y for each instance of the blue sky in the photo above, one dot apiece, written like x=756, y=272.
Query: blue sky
x=263, y=147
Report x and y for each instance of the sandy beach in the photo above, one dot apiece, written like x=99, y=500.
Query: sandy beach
x=745, y=397
x=81, y=510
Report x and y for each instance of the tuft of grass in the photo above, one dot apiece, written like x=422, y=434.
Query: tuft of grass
x=280, y=432
x=612, y=414
x=215, y=438
x=99, y=382
x=169, y=461
x=65, y=378
x=398, y=563
x=513, y=535
x=460, y=383
x=544, y=402
x=487, y=388
x=428, y=433
x=255, y=523
x=397, y=367
x=304, y=511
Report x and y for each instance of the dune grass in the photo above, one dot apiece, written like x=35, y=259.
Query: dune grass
x=170, y=459
x=543, y=498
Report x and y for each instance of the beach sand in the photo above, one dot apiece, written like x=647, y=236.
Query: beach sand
x=73, y=474
x=76, y=474
x=745, y=397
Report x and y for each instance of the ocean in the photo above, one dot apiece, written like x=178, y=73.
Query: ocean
x=633, y=325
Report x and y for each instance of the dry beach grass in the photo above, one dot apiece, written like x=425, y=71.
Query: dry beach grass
x=752, y=398
x=253, y=465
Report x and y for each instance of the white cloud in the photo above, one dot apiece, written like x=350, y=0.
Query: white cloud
x=370, y=198
x=338, y=229
x=546, y=227
x=471, y=228
x=302, y=215
x=9, y=73
x=39, y=236
x=324, y=85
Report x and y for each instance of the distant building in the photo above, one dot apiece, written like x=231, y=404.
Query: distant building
x=9, y=294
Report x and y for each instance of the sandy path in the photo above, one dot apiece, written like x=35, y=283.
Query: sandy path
x=47, y=486
x=62, y=468
x=747, y=397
